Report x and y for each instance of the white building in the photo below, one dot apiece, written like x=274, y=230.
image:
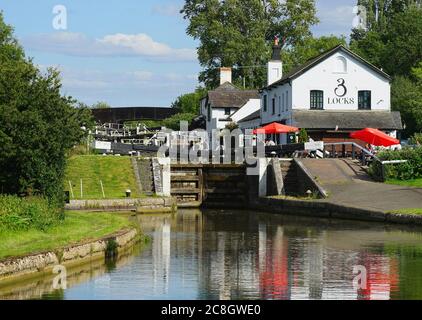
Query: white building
x=228, y=103
x=330, y=96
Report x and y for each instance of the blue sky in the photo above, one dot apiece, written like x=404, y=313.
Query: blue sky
x=127, y=52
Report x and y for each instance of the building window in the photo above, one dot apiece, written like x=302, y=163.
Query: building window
x=265, y=103
x=317, y=100
x=279, y=104
x=273, y=105
x=227, y=111
x=287, y=101
x=209, y=112
x=282, y=106
x=364, y=98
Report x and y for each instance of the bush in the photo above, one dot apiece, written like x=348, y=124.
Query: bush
x=27, y=213
x=303, y=136
x=416, y=139
x=412, y=169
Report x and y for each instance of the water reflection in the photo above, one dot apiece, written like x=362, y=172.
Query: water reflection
x=242, y=255
x=226, y=255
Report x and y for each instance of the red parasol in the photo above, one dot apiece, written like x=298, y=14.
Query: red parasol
x=275, y=128
x=374, y=137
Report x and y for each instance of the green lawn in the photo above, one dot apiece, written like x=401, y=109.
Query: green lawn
x=408, y=211
x=115, y=173
x=407, y=183
x=77, y=227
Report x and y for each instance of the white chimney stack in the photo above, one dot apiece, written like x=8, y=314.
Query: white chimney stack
x=275, y=65
x=225, y=75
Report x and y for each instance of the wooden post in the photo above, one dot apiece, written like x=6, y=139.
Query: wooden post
x=102, y=188
x=71, y=189
x=200, y=186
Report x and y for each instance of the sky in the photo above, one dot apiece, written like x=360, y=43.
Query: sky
x=126, y=52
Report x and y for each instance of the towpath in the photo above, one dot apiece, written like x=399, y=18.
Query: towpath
x=348, y=184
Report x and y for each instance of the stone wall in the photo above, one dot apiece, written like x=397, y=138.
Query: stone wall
x=306, y=182
x=326, y=209
x=34, y=264
x=156, y=204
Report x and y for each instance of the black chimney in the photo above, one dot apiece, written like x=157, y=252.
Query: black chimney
x=276, y=53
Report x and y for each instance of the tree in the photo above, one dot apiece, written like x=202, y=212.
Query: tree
x=393, y=42
x=190, y=102
x=417, y=73
x=393, y=39
x=407, y=98
x=404, y=42
x=303, y=136
x=37, y=124
x=240, y=33
x=309, y=48
x=174, y=121
x=101, y=105
x=380, y=13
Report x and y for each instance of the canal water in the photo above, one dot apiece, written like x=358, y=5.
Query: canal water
x=245, y=255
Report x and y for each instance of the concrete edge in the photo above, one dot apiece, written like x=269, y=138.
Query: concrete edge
x=320, y=189
x=151, y=204
x=34, y=264
x=325, y=209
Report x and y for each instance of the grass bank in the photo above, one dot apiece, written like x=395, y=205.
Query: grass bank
x=417, y=211
x=115, y=174
x=76, y=227
x=407, y=183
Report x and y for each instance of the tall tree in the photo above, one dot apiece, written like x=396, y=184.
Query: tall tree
x=407, y=98
x=239, y=33
x=404, y=42
x=189, y=102
x=37, y=124
x=309, y=48
x=390, y=24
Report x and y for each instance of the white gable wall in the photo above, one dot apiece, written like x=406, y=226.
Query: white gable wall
x=250, y=107
x=325, y=77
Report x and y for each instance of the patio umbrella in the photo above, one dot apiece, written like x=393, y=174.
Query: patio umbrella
x=374, y=137
x=275, y=128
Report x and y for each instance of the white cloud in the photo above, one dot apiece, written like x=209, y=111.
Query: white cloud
x=78, y=44
x=125, y=88
x=96, y=79
x=168, y=9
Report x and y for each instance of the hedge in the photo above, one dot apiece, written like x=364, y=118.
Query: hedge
x=412, y=169
x=27, y=213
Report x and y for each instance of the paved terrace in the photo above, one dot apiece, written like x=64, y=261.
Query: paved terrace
x=348, y=184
